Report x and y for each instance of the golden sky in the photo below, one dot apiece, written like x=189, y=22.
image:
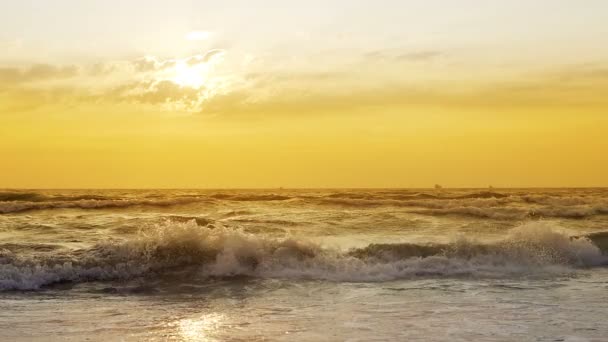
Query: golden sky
x=130, y=94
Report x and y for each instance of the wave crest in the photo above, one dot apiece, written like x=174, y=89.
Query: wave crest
x=19, y=206
x=221, y=251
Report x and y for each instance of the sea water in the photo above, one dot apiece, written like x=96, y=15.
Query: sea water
x=304, y=265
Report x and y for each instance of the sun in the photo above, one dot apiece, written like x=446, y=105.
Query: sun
x=192, y=76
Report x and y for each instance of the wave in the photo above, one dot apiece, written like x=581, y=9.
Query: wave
x=13, y=202
x=485, y=204
x=218, y=251
x=481, y=212
x=504, y=208
x=517, y=213
x=282, y=223
x=513, y=205
x=22, y=196
x=555, y=200
x=201, y=221
x=251, y=197
x=18, y=206
x=29, y=247
x=600, y=239
x=415, y=195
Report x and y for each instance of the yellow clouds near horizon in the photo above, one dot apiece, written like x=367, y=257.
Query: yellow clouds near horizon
x=201, y=85
x=149, y=123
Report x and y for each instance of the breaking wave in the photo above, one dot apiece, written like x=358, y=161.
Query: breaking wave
x=217, y=251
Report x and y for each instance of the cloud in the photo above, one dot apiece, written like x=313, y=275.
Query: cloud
x=272, y=96
x=209, y=57
x=151, y=64
x=266, y=92
x=582, y=73
x=37, y=72
x=322, y=93
x=161, y=92
x=100, y=69
x=172, y=84
x=146, y=64
x=411, y=56
x=419, y=56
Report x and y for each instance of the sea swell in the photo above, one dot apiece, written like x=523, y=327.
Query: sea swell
x=14, y=196
x=21, y=206
x=218, y=251
x=517, y=212
x=510, y=205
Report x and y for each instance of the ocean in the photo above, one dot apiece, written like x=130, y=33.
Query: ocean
x=304, y=265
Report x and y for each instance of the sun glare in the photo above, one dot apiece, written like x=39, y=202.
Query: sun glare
x=200, y=329
x=198, y=35
x=192, y=76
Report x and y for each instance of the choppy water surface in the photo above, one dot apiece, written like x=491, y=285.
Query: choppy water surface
x=313, y=265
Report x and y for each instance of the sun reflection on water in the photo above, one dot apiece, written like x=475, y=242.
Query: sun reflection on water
x=203, y=328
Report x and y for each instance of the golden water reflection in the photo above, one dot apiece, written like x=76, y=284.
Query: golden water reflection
x=203, y=328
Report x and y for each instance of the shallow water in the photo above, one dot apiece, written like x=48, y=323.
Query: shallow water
x=313, y=265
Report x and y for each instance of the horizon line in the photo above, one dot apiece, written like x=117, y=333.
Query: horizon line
x=311, y=188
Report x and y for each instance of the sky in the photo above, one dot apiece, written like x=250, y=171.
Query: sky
x=241, y=94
